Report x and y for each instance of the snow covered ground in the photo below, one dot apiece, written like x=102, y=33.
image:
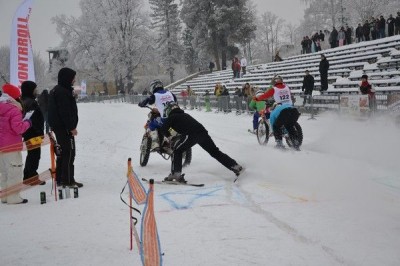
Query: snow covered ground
x=337, y=202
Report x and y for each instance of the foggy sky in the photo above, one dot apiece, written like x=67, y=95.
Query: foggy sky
x=43, y=32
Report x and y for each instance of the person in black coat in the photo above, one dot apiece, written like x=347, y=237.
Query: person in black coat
x=63, y=120
x=43, y=102
x=34, y=135
x=308, y=87
x=192, y=132
x=333, y=38
x=366, y=30
x=390, y=21
x=323, y=71
x=359, y=33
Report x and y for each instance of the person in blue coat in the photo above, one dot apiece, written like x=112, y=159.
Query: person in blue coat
x=283, y=115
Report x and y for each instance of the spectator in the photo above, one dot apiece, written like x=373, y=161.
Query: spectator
x=277, y=57
x=63, y=120
x=348, y=34
x=218, y=92
x=238, y=100
x=247, y=94
x=243, y=63
x=233, y=67
x=207, y=101
x=304, y=45
x=237, y=67
x=29, y=93
x=359, y=33
x=211, y=66
x=367, y=89
x=390, y=21
x=192, y=97
x=145, y=92
x=308, y=87
x=309, y=43
x=323, y=71
x=225, y=99
x=373, y=26
x=366, y=30
x=321, y=36
x=381, y=27
x=342, y=37
x=184, y=95
x=12, y=126
x=333, y=38
x=43, y=102
x=397, y=24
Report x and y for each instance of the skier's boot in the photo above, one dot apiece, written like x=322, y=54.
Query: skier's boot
x=178, y=177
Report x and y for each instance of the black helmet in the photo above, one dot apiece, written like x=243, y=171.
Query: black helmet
x=169, y=107
x=156, y=85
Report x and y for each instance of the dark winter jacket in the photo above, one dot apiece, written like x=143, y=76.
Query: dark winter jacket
x=29, y=103
x=182, y=123
x=381, y=23
x=308, y=84
x=63, y=111
x=366, y=29
x=397, y=21
x=43, y=101
x=323, y=67
x=334, y=35
x=359, y=31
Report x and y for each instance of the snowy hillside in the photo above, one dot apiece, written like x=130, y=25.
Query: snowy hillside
x=337, y=202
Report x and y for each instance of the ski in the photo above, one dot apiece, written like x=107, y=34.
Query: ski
x=174, y=183
x=26, y=184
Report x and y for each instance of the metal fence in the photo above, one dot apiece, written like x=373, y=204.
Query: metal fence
x=232, y=103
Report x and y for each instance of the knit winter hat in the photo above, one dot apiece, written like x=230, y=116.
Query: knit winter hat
x=27, y=88
x=12, y=90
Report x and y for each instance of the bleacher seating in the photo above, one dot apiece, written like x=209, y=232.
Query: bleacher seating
x=380, y=59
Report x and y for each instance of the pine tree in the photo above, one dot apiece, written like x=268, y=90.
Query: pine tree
x=166, y=20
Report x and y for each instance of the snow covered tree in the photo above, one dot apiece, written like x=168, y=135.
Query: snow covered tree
x=219, y=25
x=190, y=55
x=269, y=36
x=166, y=20
x=111, y=38
x=335, y=13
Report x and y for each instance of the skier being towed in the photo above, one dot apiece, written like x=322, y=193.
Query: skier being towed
x=192, y=133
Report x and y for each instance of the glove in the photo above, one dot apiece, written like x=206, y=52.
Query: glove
x=28, y=115
x=142, y=104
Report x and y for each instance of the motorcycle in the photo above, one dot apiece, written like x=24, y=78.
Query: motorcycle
x=263, y=132
x=166, y=144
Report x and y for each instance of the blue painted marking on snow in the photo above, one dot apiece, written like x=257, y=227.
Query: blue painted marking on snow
x=239, y=195
x=193, y=195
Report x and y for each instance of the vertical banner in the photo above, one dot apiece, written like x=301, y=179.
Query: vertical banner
x=151, y=248
x=21, y=54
